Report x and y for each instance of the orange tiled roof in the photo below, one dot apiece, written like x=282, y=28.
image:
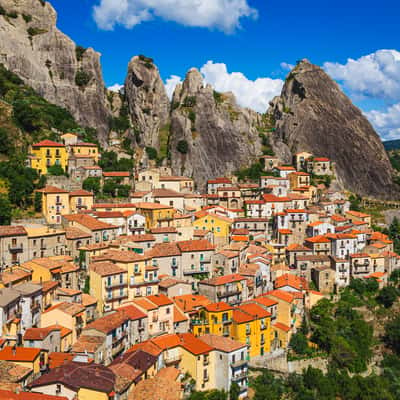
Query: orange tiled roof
x=27, y=354
x=217, y=307
x=12, y=230
x=88, y=221
x=106, y=268
x=160, y=300
x=222, y=280
x=190, y=302
x=282, y=327
x=222, y=343
x=195, y=245
x=48, y=143
x=241, y=317
x=281, y=295
x=255, y=310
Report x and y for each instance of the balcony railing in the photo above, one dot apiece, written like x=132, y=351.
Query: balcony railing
x=15, y=248
x=228, y=292
x=240, y=376
x=190, y=271
x=172, y=359
x=239, y=363
x=116, y=284
x=117, y=297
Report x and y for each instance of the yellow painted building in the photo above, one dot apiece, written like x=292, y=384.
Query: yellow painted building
x=155, y=213
x=47, y=153
x=69, y=315
x=142, y=273
x=55, y=203
x=31, y=358
x=217, y=224
x=252, y=326
x=214, y=318
x=86, y=149
x=80, y=200
x=108, y=284
x=248, y=324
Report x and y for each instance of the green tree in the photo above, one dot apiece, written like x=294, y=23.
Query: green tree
x=5, y=210
x=392, y=334
x=55, y=170
x=234, y=391
x=86, y=288
x=110, y=188
x=183, y=146
x=92, y=184
x=151, y=153
x=299, y=343
x=38, y=202
x=387, y=296
x=123, y=190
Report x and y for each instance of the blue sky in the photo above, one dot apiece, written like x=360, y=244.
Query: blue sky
x=252, y=37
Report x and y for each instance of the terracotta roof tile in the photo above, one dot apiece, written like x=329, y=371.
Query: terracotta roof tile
x=222, y=343
x=12, y=230
x=48, y=143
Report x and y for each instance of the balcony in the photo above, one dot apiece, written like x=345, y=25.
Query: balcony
x=206, y=362
x=118, y=284
x=262, y=341
x=15, y=248
x=206, y=379
x=117, y=340
x=239, y=363
x=172, y=359
x=263, y=327
x=248, y=331
x=226, y=321
x=190, y=271
x=239, y=377
x=228, y=292
x=43, y=246
x=116, y=297
x=195, y=322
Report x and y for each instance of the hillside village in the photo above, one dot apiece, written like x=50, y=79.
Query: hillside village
x=171, y=290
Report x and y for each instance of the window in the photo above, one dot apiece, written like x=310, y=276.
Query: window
x=168, y=310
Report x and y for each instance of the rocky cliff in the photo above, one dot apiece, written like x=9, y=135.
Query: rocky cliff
x=313, y=114
x=147, y=101
x=51, y=63
x=210, y=134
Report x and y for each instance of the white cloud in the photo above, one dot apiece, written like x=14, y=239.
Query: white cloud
x=116, y=87
x=286, y=66
x=375, y=75
x=224, y=15
x=171, y=83
x=387, y=123
x=252, y=94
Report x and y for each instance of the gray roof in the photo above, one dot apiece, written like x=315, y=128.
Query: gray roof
x=28, y=288
x=8, y=296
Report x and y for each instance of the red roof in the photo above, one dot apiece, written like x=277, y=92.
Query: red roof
x=294, y=281
x=283, y=327
x=116, y=174
x=222, y=280
x=321, y=159
x=195, y=245
x=8, y=395
x=216, y=307
x=48, y=143
x=26, y=354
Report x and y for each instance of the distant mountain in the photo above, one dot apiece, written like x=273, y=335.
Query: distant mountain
x=391, y=145
x=313, y=114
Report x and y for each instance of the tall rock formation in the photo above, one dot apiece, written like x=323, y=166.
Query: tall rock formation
x=147, y=101
x=210, y=134
x=313, y=114
x=47, y=60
